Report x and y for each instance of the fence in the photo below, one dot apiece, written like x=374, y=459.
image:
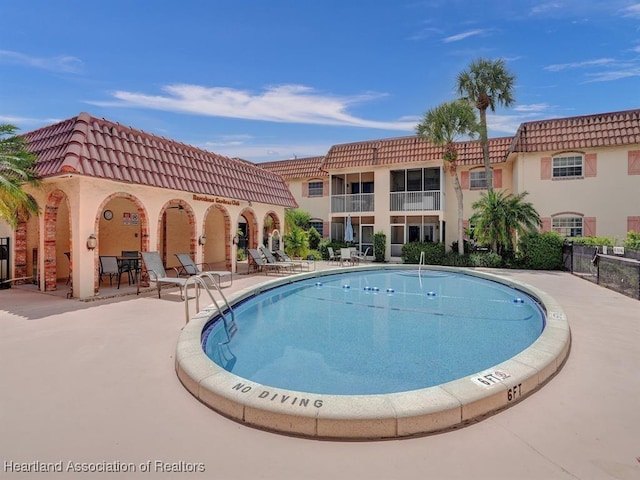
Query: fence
x=616, y=272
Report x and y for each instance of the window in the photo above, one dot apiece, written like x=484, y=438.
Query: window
x=318, y=225
x=398, y=180
x=415, y=180
x=316, y=189
x=567, y=226
x=569, y=166
x=477, y=179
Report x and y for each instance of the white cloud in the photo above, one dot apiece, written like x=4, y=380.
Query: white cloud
x=534, y=107
x=545, y=8
x=614, y=75
x=587, y=63
x=281, y=103
x=64, y=64
x=266, y=152
x=462, y=36
x=632, y=11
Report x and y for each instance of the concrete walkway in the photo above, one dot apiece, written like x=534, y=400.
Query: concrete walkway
x=93, y=383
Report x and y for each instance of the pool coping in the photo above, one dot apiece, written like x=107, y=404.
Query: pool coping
x=367, y=417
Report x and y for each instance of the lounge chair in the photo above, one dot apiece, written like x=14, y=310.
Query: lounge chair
x=256, y=259
x=155, y=269
x=189, y=268
x=273, y=260
x=299, y=263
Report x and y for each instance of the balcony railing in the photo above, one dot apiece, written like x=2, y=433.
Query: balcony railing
x=357, y=202
x=414, y=201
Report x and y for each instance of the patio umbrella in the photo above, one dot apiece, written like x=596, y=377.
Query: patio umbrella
x=348, y=230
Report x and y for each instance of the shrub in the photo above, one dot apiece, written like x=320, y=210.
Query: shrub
x=467, y=246
x=379, y=246
x=633, y=240
x=433, y=252
x=452, y=259
x=241, y=255
x=593, y=241
x=485, y=259
x=296, y=242
x=315, y=254
x=541, y=251
x=314, y=238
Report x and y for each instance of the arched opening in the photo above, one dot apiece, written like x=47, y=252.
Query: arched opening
x=176, y=232
x=56, y=256
x=217, y=229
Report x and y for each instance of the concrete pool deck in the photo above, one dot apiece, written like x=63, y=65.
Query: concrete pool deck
x=94, y=383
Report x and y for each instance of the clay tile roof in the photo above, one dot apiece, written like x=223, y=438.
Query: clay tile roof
x=95, y=147
x=403, y=150
x=296, y=168
x=588, y=131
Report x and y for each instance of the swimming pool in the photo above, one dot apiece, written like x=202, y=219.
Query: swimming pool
x=381, y=306
x=375, y=332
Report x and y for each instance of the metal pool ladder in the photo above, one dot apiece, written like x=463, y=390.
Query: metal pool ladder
x=199, y=281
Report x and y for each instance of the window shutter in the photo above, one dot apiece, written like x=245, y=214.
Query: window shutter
x=634, y=163
x=545, y=168
x=589, y=224
x=325, y=229
x=590, y=165
x=464, y=180
x=305, y=189
x=325, y=188
x=633, y=224
x=546, y=224
x=497, y=178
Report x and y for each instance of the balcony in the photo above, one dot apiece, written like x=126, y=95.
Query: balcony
x=415, y=201
x=357, y=202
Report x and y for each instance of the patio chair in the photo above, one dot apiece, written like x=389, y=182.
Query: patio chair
x=345, y=256
x=157, y=274
x=273, y=261
x=109, y=266
x=360, y=257
x=299, y=263
x=188, y=268
x=256, y=259
x=333, y=257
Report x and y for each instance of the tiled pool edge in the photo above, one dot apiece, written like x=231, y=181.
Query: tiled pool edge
x=364, y=417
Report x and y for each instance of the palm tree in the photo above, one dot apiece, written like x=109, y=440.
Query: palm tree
x=441, y=126
x=485, y=84
x=500, y=218
x=16, y=170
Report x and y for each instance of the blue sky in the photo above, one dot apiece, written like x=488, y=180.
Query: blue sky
x=273, y=79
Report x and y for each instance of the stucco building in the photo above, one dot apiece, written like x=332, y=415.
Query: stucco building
x=582, y=175
x=108, y=188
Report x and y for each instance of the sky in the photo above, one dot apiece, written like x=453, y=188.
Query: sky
x=271, y=80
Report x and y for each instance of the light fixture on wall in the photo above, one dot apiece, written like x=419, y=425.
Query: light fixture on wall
x=202, y=239
x=92, y=242
x=236, y=239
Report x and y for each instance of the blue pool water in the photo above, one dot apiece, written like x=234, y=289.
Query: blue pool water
x=375, y=332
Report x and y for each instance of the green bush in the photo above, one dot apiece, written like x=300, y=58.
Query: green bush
x=433, y=252
x=633, y=240
x=315, y=254
x=379, y=246
x=485, y=259
x=593, y=241
x=541, y=251
x=314, y=238
x=452, y=259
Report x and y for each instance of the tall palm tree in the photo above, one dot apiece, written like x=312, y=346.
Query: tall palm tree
x=442, y=125
x=16, y=170
x=499, y=218
x=485, y=84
